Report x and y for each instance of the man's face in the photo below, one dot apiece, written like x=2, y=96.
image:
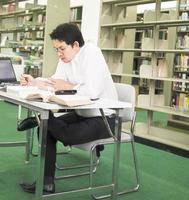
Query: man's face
x=65, y=52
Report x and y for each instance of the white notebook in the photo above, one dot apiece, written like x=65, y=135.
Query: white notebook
x=35, y=94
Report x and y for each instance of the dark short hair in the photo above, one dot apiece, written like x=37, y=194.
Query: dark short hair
x=69, y=33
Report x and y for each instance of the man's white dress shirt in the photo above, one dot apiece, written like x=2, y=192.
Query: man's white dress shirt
x=88, y=69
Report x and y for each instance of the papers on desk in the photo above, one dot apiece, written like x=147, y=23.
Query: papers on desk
x=35, y=94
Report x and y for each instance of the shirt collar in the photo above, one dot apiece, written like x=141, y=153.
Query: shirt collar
x=76, y=57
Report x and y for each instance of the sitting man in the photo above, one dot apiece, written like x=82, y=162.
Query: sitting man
x=81, y=66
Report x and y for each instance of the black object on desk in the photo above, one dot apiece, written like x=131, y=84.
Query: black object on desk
x=64, y=92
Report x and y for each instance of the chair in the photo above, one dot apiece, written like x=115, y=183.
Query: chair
x=125, y=93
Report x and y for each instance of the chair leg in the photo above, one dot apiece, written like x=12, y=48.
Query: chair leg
x=128, y=190
x=135, y=164
x=92, y=167
x=134, y=189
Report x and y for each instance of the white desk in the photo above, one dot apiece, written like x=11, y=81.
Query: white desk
x=43, y=109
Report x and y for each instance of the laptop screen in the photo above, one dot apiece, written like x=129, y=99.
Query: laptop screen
x=7, y=73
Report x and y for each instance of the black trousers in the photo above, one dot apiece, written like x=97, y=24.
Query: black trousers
x=71, y=129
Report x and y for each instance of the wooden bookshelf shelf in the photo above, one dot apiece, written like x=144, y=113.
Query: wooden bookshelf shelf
x=168, y=136
x=148, y=50
x=17, y=24
x=24, y=12
x=166, y=109
x=132, y=2
x=10, y=1
x=24, y=29
x=153, y=78
x=148, y=24
x=141, y=49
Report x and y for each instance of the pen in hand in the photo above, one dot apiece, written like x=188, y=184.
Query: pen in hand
x=94, y=99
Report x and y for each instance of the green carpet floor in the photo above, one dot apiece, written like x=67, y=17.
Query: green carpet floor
x=163, y=176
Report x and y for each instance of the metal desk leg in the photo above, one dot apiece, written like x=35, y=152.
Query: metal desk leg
x=41, y=157
x=116, y=155
x=28, y=140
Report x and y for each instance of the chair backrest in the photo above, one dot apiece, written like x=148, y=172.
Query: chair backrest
x=126, y=93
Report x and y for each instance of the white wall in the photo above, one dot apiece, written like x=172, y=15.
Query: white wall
x=90, y=20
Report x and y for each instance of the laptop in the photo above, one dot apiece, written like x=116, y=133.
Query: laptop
x=7, y=73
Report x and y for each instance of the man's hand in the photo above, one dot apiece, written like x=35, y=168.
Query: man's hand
x=56, y=84
x=25, y=79
x=59, y=84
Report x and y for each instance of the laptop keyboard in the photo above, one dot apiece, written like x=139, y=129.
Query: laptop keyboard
x=4, y=84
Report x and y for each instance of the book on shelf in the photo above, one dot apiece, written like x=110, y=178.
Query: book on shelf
x=162, y=68
x=4, y=40
x=146, y=70
x=146, y=100
x=35, y=94
x=180, y=101
x=76, y=13
x=121, y=39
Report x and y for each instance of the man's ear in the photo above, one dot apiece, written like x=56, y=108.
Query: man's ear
x=76, y=44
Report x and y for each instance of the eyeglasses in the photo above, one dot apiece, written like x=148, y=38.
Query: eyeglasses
x=60, y=49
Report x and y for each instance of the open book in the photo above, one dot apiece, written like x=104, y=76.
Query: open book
x=35, y=94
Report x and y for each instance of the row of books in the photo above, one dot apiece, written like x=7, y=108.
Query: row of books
x=184, y=16
x=181, y=60
x=147, y=100
x=148, y=43
x=76, y=14
x=147, y=70
x=181, y=101
x=28, y=20
x=180, y=86
x=119, y=40
x=183, y=42
x=9, y=24
x=121, y=14
x=11, y=6
x=184, y=3
x=181, y=75
x=107, y=10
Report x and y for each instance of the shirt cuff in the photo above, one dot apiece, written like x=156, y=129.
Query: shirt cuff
x=76, y=87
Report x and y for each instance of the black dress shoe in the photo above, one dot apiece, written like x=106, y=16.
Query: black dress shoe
x=30, y=188
x=99, y=148
x=27, y=123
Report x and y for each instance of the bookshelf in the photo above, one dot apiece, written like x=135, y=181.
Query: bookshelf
x=22, y=31
x=60, y=13
x=76, y=15
x=180, y=90
x=56, y=13
x=140, y=49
